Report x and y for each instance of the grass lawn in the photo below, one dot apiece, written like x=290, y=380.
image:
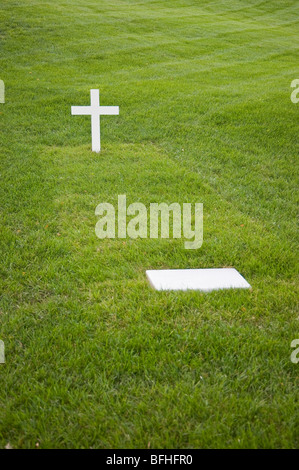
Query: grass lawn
x=94, y=356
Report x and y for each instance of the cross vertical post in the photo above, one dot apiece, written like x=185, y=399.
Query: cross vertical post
x=95, y=121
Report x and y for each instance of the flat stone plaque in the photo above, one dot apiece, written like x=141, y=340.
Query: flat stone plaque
x=205, y=280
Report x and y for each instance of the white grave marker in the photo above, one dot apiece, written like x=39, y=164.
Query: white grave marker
x=95, y=110
x=205, y=280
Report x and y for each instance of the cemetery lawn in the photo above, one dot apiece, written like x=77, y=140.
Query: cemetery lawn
x=94, y=356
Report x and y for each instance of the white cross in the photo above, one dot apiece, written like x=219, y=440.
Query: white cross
x=95, y=110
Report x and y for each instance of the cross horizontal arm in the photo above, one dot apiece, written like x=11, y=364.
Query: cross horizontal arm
x=109, y=110
x=81, y=110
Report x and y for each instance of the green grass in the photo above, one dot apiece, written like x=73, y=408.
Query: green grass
x=94, y=357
